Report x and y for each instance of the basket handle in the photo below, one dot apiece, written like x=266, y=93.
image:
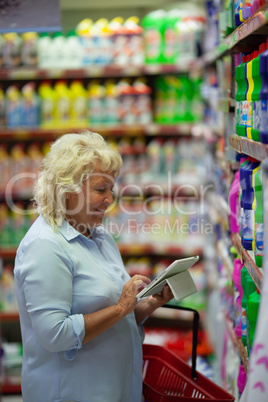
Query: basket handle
x=195, y=333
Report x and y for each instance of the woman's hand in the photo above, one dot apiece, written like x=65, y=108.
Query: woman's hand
x=128, y=299
x=148, y=305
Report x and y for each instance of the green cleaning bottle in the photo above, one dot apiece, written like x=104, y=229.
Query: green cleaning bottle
x=249, y=95
x=248, y=287
x=253, y=308
x=154, y=25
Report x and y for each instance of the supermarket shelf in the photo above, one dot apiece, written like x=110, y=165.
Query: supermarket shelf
x=251, y=33
x=93, y=71
x=247, y=258
x=237, y=342
x=252, y=148
x=111, y=130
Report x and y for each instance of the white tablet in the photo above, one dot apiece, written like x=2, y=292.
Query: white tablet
x=157, y=285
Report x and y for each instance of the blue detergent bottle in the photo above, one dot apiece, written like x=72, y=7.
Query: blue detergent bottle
x=243, y=186
x=264, y=97
x=248, y=238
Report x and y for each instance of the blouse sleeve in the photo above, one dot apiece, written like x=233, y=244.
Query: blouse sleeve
x=45, y=274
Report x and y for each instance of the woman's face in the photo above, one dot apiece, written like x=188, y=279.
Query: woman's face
x=86, y=209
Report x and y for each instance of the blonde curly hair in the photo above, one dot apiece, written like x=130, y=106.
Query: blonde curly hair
x=70, y=161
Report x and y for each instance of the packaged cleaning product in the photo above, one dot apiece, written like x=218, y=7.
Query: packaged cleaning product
x=44, y=42
x=264, y=97
x=253, y=308
x=238, y=294
x=47, y=104
x=170, y=48
x=102, y=42
x=5, y=226
x=73, y=51
x=143, y=102
x=135, y=43
x=5, y=168
x=29, y=49
x=79, y=104
x=240, y=96
x=248, y=288
x=153, y=25
x=127, y=108
x=13, y=106
x=255, y=132
x=249, y=95
x=96, y=102
x=259, y=231
x=111, y=102
x=57, y=50
x=2, y=107
x=234, y=203
x=30, y=106
x=63, y=104
x=84, y=33
x=11, y=50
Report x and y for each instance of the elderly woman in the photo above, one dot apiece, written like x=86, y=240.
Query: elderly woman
x=81, y=322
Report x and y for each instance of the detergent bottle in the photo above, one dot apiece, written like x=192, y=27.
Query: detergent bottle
x=44, y=42
x=135, y=43
x=238, y=295
x=47, y=104
x=248, y=287
x=57, y=50
x=12, y=50
x=241, y=379
x=111, y=102
x=234, y=203
x=73, y=51
x=83, y=31
x=249, y=95
x=79, y=104
x=258, y=251
x=2, y=108
x=143, y=101
x=63, y=104
x=240, y=96
x=30, y=106
x=96, y=102
x=170, y=46
x=102, y=42
x=29, y=49
x=264, y=97
x=13, y=106
x=253, y=309
x=153, y=25
x=248, y=240
x=237, y=9
x=255, y=132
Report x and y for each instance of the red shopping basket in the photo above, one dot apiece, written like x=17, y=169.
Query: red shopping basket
x=167, y=378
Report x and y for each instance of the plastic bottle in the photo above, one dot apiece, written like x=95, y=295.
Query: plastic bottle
x=5, y=227
x=13, y=107
x=111, y=102
x=264, y=97
x=259, y=244
x=238, y=294
x=154, y=25
x=47, y=104
x=102, y=42
x=19, y=223
x=57, y=50
x=170, y=48
x=248, y=287
x=234, y=203
x=79, y=104
x=245, y=103
x=240, y=96
x=96, y=102
x=73, y=51
x=127, y=111
x=12, y=50
x=248, y=240
x=84, y=33
x=29, y=49
x=143, y=101
x=2, y=107
x=249, y=95
x=243, y=167
x=2, y=42
x=241, y=379
x=135, y=43
x=5, y=168
x=30, y=106
x=237, y=8
x=253, y=308
x=63, y=104
x=44, y=43
x=255, y=132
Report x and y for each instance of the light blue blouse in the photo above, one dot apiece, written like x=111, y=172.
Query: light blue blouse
x=59, y=276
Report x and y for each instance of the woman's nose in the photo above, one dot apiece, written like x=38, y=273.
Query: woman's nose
x=109, y=199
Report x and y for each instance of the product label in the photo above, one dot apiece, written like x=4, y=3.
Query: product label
x=237, y=308
x=248, y=224
x=244, y=114
x=249, y=115
x=264, y=115
x=153, y=43
x=256, y=115
x=238, y=112
x=259, y=239
x=244, y=323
